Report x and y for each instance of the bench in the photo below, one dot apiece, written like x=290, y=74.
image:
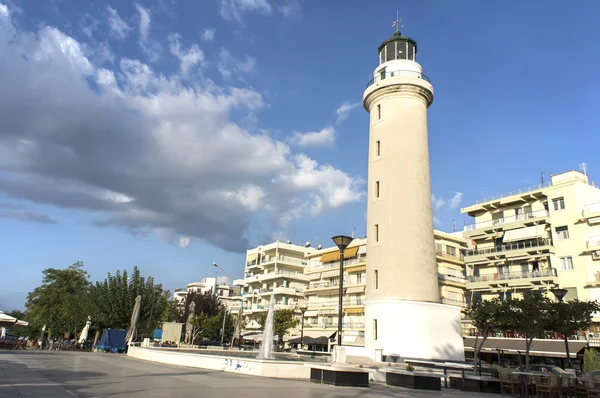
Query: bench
x=414, y=380
x=339, y=376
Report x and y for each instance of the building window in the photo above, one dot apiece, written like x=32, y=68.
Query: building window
x=358, y=278
x=374, y=329
x=558, y=204
x=565, y=263
x=376, y=232
x=376, y=189
x=378, y=148
x=376, y=279
x=562, y=233
x=451, y=250
x=379, y=110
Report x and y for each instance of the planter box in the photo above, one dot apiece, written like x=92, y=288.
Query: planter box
x=481, y=384
x=417, y=381
x=340, y=377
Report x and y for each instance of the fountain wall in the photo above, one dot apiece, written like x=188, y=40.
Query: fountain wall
x=247, y=366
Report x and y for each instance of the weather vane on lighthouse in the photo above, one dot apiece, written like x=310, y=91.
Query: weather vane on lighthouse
x=397, y=23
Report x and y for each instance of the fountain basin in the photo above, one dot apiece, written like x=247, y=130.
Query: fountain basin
x=243, y=365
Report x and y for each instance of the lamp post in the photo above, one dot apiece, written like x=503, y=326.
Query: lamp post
x=560, y=295
x=154, y=293
x=342, y=242
x=302, y=310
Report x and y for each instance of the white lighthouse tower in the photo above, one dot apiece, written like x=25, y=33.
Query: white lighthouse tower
x=403, y=314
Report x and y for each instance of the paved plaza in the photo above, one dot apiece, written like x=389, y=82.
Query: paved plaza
x=83, y=374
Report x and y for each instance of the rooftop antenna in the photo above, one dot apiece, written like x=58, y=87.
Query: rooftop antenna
x=398, y=23
x=583, y=167
x=542, y=177
x=453, y=225
x=353, y=231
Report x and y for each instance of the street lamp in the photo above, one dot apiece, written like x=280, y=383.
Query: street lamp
x=560, y=295
x=342, y=242
x=302, y=310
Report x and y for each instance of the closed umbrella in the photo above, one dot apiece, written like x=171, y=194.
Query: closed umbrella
x=135, y=316
x=86, y=329
x=189, y=328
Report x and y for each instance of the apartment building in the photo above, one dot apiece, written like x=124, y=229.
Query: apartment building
x=449, y=248
x=273, y=270
x=536, y=238
x=228, y=294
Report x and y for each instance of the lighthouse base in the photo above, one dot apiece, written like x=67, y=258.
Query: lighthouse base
x=402, y=329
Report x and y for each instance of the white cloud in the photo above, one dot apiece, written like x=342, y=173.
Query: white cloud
x=437, y=202
x=229, y=66
x=344, y=110
x=324, y=137
x=149, y=46
x=145, y=19
x=184, y=242
x=234, y=9
x=187, y=58
x=436, y=222
x=145, y=151
x=455, y=200
x=119, y=29
x=209, y=34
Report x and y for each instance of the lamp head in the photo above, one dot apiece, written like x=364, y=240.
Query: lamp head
x=342, y=241
x=215, y=264
x=559, y=293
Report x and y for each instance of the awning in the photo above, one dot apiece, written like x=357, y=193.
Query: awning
x=355, y=289
x=362, y=249
x=354, y=310
x=539, y=347
x=311, y=313
x=514, y=235
x=328, y=312
x=251, y=257
x=330, y=274
x=335, y=255
x=313, y=337
x=595, y=220
x=315, y=276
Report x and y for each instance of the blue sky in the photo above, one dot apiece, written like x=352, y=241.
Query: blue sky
x=169, y=134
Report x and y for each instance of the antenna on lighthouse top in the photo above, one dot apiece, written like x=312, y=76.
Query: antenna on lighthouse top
x=397, y=23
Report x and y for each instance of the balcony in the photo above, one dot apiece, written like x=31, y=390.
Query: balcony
x=501, y=223
x=516, y=192
x=334, y=303
x=591, y=210
x=290, y=291
x=334, y=325
x=347, y=262
x=527, y=278
x=277, y=275
x=400, y=73
x=456, y=303
x=510, y=249
x=459, y=279
x=456, y=256
x=593, y=243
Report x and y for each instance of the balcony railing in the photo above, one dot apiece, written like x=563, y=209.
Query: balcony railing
x=510, y=246
x=334, y=325
x=336, y=264
x=516, y=192
x=546, y=273
x=591, y=208
x=454, y=278
x=593, y=241
x=334, y=303
x=457, y=303
x=456, y=255
x=280, y=259
x=506, y=220
x=400, y=73
x=276, y=274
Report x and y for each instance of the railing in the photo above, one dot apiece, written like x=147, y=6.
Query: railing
x=591, y=208
x=593, y=241
x=517, y=192
x=280, y=259
x=336, y=264
x=506, y=220
x=455, y=278
x=334, y=325
x=276, y=274
x=443, y=253
x=334, y=303
x=456, y=303
x=514, y=275
x=398, y=73
x=510, y=246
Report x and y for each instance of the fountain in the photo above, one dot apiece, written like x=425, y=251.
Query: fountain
x=266, y=348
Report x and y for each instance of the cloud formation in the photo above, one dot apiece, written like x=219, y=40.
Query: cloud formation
x=439, y=202
x=209, y=34
x=143, y=151
x=19, y=213
x=235, y=9
x=324, y=137
x=344, y=110
x=119, y=28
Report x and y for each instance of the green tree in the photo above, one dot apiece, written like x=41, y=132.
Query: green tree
x=208, y=327
x=591, y=360
x=485, y=316
x=283, y=321
x=59, y=301
x=110, y=302
x=530, y=316
x=206, y=303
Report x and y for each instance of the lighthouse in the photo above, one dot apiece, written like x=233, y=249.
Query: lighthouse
x=403, y=313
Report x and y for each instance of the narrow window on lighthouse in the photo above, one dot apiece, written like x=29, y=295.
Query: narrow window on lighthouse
x=378, y=148
x=377, y=189
x=374, y=329
x=376, y=279
x=378, y=111
x=376, y=232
